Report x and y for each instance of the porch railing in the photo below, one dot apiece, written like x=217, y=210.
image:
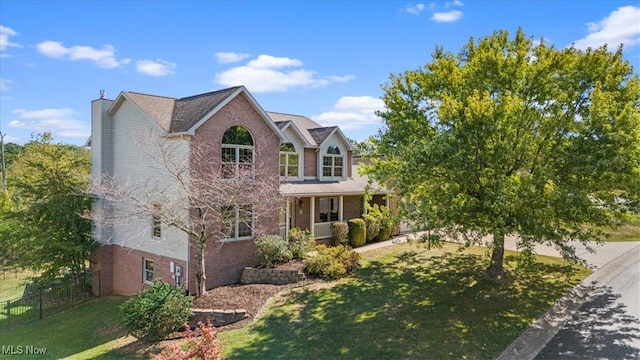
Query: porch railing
x=321, y=231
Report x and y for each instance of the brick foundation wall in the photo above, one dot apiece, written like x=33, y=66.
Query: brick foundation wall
x=120, y=270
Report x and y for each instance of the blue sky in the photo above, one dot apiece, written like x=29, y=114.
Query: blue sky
x=322, y=59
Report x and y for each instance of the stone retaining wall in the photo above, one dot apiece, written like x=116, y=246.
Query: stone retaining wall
x=217, y=317
x=271, y=276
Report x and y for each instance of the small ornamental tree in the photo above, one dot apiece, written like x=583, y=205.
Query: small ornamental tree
x=199, y=195
x=156, y=311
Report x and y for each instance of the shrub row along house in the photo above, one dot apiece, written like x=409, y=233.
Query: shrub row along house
x=152, y=148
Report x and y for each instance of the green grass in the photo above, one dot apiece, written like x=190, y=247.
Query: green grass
x=406, y=302
x=12, y=283
x=88, y=331
x=628, y=231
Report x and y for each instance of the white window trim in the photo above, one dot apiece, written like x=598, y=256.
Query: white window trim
x=145, y=270
x=236, y=164
x=236, y=224
x=288, y=153
x=333, y=166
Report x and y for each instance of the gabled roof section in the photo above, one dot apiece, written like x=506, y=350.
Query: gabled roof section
x=159, y=108
x=188, y=111
x=187, y=114
x=321, y=134
x=284, y=125
x=314, y=133
x=302, y=123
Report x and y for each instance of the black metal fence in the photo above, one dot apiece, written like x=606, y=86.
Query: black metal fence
x=37, y=303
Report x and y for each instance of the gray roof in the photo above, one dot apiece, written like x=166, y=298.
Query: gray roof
x=320, y=134
x=179, y=115
x=352, y=186
x=159, y=108
x=303, y=123
x=188, y=111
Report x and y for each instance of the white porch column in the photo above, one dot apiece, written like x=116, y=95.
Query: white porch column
x=312, y=216
x=386, y=201
x=287, y=214
x=340, y=207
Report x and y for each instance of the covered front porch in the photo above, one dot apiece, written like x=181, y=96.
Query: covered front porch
x=317, y=213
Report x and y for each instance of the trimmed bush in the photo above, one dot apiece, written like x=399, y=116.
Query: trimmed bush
x=357, y=232
x=332, y=262
x=300, y=242
x=372, y=224
x=339, y=233
x=156, y=311
x=386, y=224
x=272, y=249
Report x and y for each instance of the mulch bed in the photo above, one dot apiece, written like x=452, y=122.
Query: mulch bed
x=251, y=298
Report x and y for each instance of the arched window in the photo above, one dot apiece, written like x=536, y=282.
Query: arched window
x=237, y=152
x=332, y=163
x=289, y=160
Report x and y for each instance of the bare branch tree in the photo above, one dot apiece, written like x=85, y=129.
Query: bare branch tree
x=193, y=194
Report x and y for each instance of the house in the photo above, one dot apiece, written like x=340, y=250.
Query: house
x=312, y=165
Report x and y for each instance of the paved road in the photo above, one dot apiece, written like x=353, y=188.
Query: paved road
x=607, y=325
x=598, y=319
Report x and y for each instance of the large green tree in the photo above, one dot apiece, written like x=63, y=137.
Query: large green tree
x=513, y=136
x=46, y=229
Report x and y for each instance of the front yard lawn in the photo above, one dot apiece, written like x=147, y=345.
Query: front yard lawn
x=406, y=302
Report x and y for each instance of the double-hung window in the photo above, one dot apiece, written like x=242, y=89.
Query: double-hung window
x=332, y=163
x=147, y=271
x=329, y=209
x=237, y=152
x=238, y=222
x=289, y=161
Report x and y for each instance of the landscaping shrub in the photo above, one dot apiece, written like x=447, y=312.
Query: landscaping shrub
x=206, y=346
x=383, y=214
x=357, y=232
x=339, y=233
x=300, y=242
x=272, y=249
x=156, y=311
x=372, y=225
x=332, y=262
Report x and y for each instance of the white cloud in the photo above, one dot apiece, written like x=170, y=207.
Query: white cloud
x=449, y=16
x=5, y=33
x=62, y=123
x=230, y=57
x=158, y=67
x=5, y=84
x=622, y=26
x=268, y=73
x=352, y=112
x=415, y=9
x=104, y=58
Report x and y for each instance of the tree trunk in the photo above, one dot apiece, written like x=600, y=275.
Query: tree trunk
x=495, y=269
x=201, y=276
